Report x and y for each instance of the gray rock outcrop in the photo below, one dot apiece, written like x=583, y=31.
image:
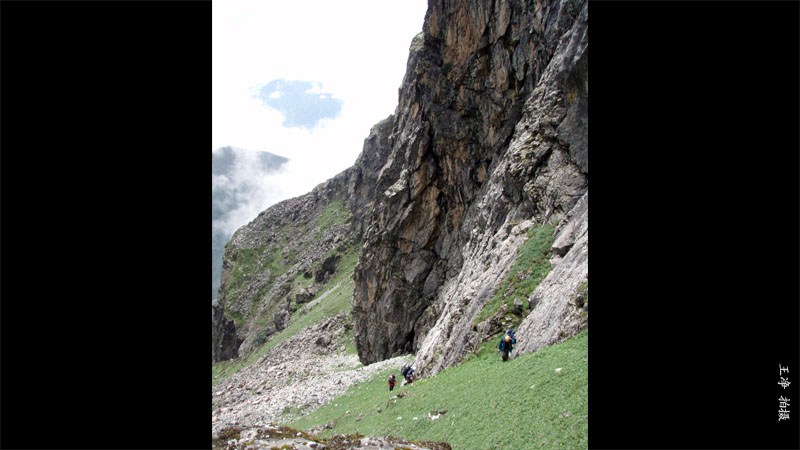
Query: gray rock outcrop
x=281, y=318
x=327, y=269
x=305, y=295
x=224, y=342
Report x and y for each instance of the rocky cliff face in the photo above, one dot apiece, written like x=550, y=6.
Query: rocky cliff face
x=224, y=342
x=489, y=138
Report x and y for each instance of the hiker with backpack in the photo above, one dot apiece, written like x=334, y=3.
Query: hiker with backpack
x=392, y=382
x=507, y=344
x=408, y=373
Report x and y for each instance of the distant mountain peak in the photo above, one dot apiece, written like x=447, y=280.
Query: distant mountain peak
x=234, y=193
x=223, y=159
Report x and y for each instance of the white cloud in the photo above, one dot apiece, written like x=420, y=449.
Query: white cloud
x=316, y=88
x=355, y=50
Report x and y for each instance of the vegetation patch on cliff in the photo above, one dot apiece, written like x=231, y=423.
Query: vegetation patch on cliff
x=248, y=263
x=337, y=291
x=530, y=268
x=335, y=212
x=537, y=400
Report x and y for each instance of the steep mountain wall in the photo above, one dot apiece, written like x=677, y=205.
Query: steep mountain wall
x=489, y=138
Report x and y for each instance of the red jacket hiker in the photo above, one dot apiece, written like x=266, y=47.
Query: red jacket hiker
x=391, y=382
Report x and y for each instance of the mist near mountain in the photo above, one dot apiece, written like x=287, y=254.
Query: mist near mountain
x=243, y=183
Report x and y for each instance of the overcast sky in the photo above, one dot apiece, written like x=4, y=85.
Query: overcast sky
x=306, y=80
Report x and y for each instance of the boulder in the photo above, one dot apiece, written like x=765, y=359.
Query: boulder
x=305, y=295
x=281, y=318
x=517, y=306
x=328, y=268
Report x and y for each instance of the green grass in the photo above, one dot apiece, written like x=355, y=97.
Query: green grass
x=246, y=261
x=301, y=281
x=530, y=268
x=584, y=289
x=291, y=412
x=490, y=403
x=350, y=343
x=237, y=317
x=249, y=262
x=337, y=301
x=335, y=212
x=344, y=272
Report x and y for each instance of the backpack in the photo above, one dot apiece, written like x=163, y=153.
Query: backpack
x=405, y=369
x=502, y=345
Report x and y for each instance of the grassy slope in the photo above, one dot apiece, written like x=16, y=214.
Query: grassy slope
x=337, y=301
x=529, y=269
x=490, y=403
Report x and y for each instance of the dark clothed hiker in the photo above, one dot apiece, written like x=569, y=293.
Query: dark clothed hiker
x=507, y=345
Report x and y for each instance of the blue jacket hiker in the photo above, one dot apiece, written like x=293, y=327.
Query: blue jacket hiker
x=507, y=344
x=408, y=373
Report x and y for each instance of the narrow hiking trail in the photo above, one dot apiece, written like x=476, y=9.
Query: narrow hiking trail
x=293, y=379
